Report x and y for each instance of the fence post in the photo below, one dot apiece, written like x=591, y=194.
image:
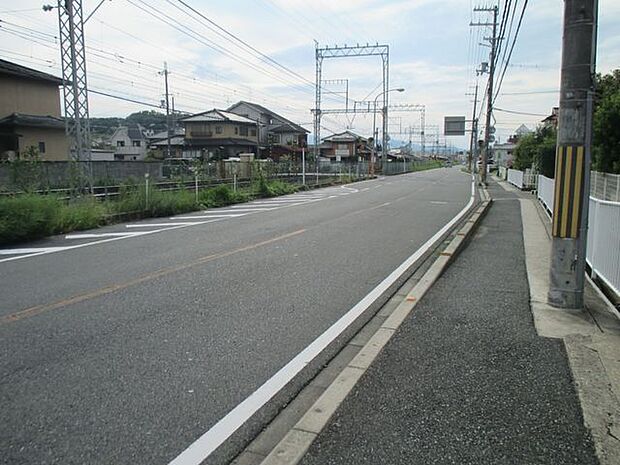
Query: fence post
x=235, y=182
x=196, y=185
x=146, y=192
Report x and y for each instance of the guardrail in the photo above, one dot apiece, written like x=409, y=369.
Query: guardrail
x=603, y=247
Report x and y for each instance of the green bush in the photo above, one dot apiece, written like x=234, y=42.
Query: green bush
x=27, y=217
x=162, y=203
x=266, y=188
x=80, y=215
x=31, y=216
x=220, y=196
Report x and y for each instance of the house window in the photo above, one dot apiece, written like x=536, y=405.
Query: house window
x=236, y=130
x=120, y=143
x=41, y=147
x=253, y=132
x=243, y=130
x=135, y=143
x=218, y=129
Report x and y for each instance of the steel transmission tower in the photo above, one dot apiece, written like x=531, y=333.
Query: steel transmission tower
x=347, y=52
x=75, y=90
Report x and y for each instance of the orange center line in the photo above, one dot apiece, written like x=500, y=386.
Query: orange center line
x=38, y=309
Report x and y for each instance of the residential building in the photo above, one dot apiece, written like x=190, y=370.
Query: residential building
x=129, y=143
x=552, y=119
x=219, y=134
x=279, y=137
x=503, y=153
x=30, y=118
x=158, y=144
x=345, y=146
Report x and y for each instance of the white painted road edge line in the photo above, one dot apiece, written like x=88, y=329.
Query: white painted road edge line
x=49, y=250
x=111, y=234
x=206, y=444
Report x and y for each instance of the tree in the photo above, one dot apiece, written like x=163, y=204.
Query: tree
x=150, y=119
x=606, y=124
x=537, y=151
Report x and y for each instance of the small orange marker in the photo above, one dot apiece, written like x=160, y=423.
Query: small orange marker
x=410, y=298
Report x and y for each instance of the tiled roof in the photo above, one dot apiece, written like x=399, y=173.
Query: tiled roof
x=13, y=69
x=39, y=121
x=262, y=109
x=346, y=136
x=218, y=115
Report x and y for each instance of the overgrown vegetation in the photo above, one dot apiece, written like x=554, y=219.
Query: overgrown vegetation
x=32, y=216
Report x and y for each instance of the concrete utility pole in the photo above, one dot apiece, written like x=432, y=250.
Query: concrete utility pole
x=165, y=73
x=474, y=134
x=487, y=129
x=573, y=154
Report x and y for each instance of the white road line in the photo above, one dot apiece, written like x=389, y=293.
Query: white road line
x=45, y=251
x=29, y=250
x=259, y=206
x=97, y=235
x=226, y=215
x=159, y=225
x=281, y=205
x=35, y=252
x=438, y=202
x=206, y=444
x=248, y=210
x=278, y=202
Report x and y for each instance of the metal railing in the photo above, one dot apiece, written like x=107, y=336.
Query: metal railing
x=603, y=246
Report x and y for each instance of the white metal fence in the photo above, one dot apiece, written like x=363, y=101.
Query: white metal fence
x=522, y=180
x=603, y=254
x=605, y=186
x=515, y=177
x=603, y=249
x=546, y=192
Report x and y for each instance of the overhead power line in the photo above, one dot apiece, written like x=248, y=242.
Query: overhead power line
x=233, y=36
x=514, y=41
x=519, y=112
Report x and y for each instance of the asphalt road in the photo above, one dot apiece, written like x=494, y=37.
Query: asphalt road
x=126, y=349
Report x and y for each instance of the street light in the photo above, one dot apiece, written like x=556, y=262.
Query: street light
x=374, y=123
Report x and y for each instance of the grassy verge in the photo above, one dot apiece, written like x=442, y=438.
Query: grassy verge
x=430, y=165
x=31, y=216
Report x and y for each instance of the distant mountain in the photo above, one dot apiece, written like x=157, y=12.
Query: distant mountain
x=102, y=127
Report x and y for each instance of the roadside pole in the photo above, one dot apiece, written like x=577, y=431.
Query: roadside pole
x=487, y=128
x=573, y=154
x=303, y=166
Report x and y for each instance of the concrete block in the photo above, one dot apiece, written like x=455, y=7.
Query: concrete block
x=317, y=417
x=370, y=351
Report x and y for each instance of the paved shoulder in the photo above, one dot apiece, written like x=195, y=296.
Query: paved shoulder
x=466, y=379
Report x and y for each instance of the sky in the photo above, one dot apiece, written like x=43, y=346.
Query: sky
x=434, y=54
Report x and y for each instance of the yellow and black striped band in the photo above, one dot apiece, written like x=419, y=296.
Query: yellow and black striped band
x=569, y=173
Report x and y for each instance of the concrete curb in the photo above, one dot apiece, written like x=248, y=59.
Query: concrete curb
x=291, y=449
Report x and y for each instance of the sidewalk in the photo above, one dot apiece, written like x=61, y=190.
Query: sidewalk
x=468, y=379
